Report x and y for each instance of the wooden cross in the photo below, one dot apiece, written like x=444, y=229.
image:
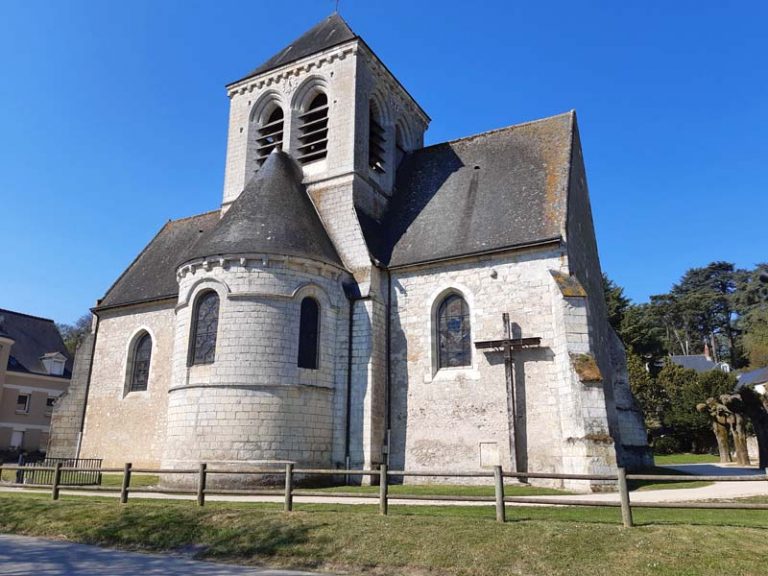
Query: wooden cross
x=508, y=345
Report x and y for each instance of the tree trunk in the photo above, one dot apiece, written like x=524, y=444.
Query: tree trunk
x=740, y=440
x=721, y=433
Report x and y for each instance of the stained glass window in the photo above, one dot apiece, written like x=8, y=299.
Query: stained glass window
x=453, y=333
x=206, y=324
x=309, y=329
x=142, y=354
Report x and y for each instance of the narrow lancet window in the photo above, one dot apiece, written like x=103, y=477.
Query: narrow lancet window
x=270, y=135
x=142, y=355
x=309, y=331
x=204, y=328
x=453, y=333
x=376, y=143
x=313, y=130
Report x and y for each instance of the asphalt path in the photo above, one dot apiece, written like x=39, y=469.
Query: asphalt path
x=25, y=556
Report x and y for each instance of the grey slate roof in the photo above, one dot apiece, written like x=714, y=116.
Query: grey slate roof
x=33, y=338
x=273, y=215
x=753, y=377
x=326, y=34
x=152, y=275
x=488, y=192
x=697, y=362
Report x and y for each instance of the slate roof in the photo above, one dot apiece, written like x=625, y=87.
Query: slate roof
x=33, y=338
x=328, y=33
x=492, y=191
x=753, y=377
x=697, y=362
x=273, y=215
x=152, y=275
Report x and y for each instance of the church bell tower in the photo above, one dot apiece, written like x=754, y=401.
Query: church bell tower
x=328, y=101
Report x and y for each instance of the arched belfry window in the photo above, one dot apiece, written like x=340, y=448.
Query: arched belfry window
x=140, y=360
x=313, y=130
x=399, y=146
x=454, y=342
x=205, y=324
x=376, y=141
x=270, y=134
x=309, y=332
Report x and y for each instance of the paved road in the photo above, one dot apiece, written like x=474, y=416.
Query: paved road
x=24, y=556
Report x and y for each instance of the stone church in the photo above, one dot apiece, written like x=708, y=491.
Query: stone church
x=361, y=298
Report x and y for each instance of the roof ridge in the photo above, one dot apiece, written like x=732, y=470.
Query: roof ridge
x=570, y=112
x=4, y=310
x=300, y=49
x=194, y=216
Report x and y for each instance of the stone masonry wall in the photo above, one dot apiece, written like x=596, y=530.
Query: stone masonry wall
x=458, y=418
x=67, y=416
x=129, y=427
x=583, y=262
x=253, y=402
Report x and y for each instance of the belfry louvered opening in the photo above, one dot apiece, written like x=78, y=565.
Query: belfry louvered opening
x=313, y=131
x=376, y=143
x=270, y=135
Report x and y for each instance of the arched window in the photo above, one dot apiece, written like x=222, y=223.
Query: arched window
x=205, y=323
x=454, y=345
x=270, y=134
x=376, y=141
x=309, y=331
x=313, y=130
x=142, y=355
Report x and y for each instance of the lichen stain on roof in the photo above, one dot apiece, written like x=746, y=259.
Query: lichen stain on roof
x=586, y=368
x=569, y=286
x=273, y=215
x=484, y=192
x=152, y=274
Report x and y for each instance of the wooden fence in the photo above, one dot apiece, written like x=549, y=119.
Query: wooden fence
x=383, y=475
x=77, y=471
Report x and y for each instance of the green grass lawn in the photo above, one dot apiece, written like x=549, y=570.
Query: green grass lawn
x=113, y=480
x=667, y=459
x=662, y=484
x=412, y=540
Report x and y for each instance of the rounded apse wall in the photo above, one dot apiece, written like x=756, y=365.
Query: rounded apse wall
x=253, y=403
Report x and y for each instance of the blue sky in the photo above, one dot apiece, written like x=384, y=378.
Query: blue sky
x=113, y=119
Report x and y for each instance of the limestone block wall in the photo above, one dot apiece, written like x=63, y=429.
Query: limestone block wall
x=459, y=418
x=584, y=263
x=587, y=446
x=68, y=411
x=253, y=402
x=368, y=401
x=123, y=426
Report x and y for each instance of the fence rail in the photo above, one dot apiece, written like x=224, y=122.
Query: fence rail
x=57, y=473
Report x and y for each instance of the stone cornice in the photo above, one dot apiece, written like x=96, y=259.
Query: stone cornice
x=256, y=262
x=286, y=73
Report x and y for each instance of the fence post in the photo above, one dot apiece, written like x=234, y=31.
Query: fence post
x=626, y=508
x=1, y=470
x=126, y=483
x=383, y=502
x=201, y=484
x=501, y=512
x=56, y=480
x=19, y=471
x=288, y=507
